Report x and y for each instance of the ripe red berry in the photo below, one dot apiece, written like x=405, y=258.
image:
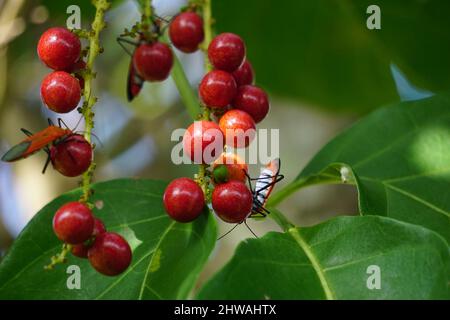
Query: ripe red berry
x=153, y=61
x=217, y=89
x=226, y=52
x=244, y=74
x=203, y=142
x=110, y=254
x=81, y=250
x=238, y=128
x=183, y=200
x=73, y=223
x=186, y=31
x=59, y=48
x=60, y=91
x=232, y=201
x=236, y=167
x=72, y=156
x=252, y=100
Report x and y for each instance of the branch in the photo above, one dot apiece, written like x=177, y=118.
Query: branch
x=89, y=100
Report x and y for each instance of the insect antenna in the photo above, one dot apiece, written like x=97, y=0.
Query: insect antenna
x=228, y=232
x=245, y=222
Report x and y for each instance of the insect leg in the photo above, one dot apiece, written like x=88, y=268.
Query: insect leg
x=249, y=179
x=26, y=132
x=228, y=232
x=245, y=222
x=46, y=164
x=121, y=42
x=50, y=122
x=62, y=123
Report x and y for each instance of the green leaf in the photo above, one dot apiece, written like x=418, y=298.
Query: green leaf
x=167, y=256
x=322, y=52
x=399, y=158
x=331, y=261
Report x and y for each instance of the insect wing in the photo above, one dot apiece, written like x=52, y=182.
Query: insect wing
x=34, y=143
x=134, y=83
x=17, y=152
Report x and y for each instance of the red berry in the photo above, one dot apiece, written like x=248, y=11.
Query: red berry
x=183, y=200
x=252, y=100
x=217, y=89
x=110, y=254
x=72, y=156
x=59, y=48
x=186, y=31
x=238, y=128
x=244, y=74
x=81, y=250
x=232, y=201
x=153, y=61
x=60, y=91
x=236, y=167
x=226, y=52
x=203, y=142
x=73, y=223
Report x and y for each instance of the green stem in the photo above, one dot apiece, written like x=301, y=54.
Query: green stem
x=59, y=257
x=295, y=185
x=94, y=50
x=187, y=94
x=147, y=17
x=207, y=21
x=281, y=220
x=206, y=115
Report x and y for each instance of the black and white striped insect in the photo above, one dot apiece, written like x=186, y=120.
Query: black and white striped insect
x=268, y=178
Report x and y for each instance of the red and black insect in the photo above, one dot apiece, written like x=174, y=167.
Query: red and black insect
x=269, y=176
x=134, y=80
x=42, y=140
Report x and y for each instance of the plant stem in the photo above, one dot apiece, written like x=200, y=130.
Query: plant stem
x=207, y=21
x=281, y=220
x=89, y=100
x=297, y=184
x=206, y=115
x=187, y=94
x=59, y=257
x=147, y=17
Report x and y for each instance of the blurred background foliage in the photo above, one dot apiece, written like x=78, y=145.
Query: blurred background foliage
x=320, y=64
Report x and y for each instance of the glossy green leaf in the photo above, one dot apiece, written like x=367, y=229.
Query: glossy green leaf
x=399, y=159
x=322, y=51
x=167, y=256
x=338, y=259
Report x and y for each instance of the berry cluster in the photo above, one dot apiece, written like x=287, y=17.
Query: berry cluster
x=71, y=154
x=107, y=252
x=60, y=50
x=152, y=60
x=228, y=92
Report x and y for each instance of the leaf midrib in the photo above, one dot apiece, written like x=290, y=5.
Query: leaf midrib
x=144, y=282
x=295, y=234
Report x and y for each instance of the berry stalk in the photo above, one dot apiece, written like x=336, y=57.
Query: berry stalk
x=89, y=100
x=206, y=114
x=146, y=20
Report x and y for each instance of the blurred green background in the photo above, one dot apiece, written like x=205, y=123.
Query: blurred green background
x=321, y=65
